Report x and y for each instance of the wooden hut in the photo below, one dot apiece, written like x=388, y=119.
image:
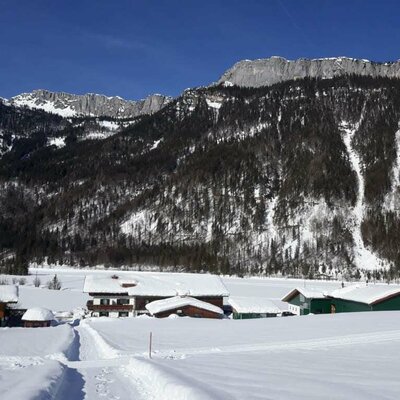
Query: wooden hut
x=37, y=318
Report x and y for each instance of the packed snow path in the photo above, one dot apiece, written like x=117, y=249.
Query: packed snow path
x=90, y=374
x=363, y=257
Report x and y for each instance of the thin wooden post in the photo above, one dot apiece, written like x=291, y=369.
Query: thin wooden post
x=150, y=343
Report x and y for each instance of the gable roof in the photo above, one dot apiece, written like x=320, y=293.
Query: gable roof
x=8, y=294
x=308, y=293
x=157, y=284
x=255, y=305
x=371, y=294
x=173, y=303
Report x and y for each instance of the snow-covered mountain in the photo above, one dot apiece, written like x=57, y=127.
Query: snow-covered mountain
x=94, y=105
x=267, y=71
x=300, y=177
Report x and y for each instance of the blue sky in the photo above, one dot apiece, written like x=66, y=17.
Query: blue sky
x=134, y=48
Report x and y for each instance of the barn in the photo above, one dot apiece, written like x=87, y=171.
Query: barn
x=37, y=318
x=184, y=306
x=302, y=301
x=254, y=307
x=365, y=298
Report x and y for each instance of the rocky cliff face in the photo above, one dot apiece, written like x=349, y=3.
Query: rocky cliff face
x=272, y=70
x=90, y=104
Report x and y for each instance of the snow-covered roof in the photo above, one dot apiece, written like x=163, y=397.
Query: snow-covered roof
x=38, y=314
x=173, y=303
x=259, y=305
x=157, y=284
x=370, y=294
x=8, y=294
x=308, y=293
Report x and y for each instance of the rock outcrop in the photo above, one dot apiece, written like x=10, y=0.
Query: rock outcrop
x=264, y=72
x=90, y=104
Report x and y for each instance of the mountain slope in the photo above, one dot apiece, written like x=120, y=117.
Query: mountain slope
x=260, y=180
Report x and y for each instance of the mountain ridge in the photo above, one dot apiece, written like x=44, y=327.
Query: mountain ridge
x=268, y=71
x=89, y=104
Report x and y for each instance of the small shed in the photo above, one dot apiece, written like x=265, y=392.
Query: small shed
x=8, y=296
x=363, y=297
x=37, y=318
x=303, y=301
x=184, y=306
x=254, y=307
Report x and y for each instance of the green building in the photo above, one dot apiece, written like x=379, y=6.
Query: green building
x=304, y=301
x=352, y=298
x=365, y=298
x=255, y=307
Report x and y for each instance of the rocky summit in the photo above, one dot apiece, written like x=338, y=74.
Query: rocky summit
x=94, y=105
x=267, y=71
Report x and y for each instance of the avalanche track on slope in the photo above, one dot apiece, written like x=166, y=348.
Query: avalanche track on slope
x=392, y=198
x=364, y=258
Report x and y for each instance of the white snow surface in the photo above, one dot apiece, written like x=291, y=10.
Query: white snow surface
x=38, y=314
x=255, y=359
x=31, y=361
x=155, y=144
x=172, y=303
x=368, y=294
x=214, y=104
x=8, y=294
x=47, y=106
x=57, y=141
x=158, y=284
x=342, y=356
x=111, y=125
x=56, y=300
x=255, y=305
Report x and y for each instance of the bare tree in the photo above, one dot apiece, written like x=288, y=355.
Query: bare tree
x=36, y=281
x=54, y=284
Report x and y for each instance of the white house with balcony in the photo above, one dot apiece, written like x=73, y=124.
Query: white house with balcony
x=127, y=294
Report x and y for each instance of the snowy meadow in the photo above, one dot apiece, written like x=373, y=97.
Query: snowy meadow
x=338, y=356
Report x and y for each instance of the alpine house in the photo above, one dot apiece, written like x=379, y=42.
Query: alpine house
x=127, y=295
x=354, y=298
x=307, y=301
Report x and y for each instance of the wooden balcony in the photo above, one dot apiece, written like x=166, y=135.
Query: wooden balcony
x=110, y=307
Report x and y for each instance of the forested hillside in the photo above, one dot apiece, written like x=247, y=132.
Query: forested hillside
x=228, y=179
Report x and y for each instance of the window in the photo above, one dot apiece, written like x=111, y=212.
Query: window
x=122, y=301
x=123, y=314
x=103, y=314
x=105, y=302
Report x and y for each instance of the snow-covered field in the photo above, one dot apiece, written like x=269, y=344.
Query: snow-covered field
x=342, y=356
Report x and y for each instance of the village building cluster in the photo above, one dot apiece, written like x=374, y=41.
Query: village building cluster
x=161, y=295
